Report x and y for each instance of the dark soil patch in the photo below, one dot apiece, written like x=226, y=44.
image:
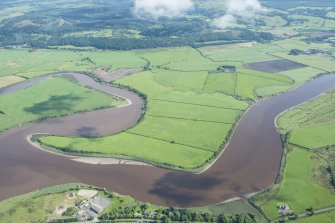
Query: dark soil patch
x=275, y=66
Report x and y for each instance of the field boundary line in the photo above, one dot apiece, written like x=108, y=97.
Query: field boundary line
x=265, y=77
x=188, y=119
x=176, y=143
x=212, y=106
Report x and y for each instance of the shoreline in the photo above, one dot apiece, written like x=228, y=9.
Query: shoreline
x=88, y=160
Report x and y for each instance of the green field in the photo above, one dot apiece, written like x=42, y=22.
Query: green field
x=318, y=112
x=181, y=104
x=320, y=218
x=50, y=98
x=298, y=188
x=9, y=80
x=308, y=173
x=234, y=207
x=37, y=206
x=186, y=97
x=32, y=63
x=43, y=205
x=314, y=137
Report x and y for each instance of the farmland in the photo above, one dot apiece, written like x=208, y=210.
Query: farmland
x=187, y=96
x=309, y=162
x=299, y=188
x=324, y=217
x=29, y=63
x=43, y=206
x=30, y=105
x=190, y=82
x=9, y=80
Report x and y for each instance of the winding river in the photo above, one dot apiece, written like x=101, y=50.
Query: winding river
x=249, y=164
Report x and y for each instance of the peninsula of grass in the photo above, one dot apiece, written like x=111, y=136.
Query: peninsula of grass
x=50, y=98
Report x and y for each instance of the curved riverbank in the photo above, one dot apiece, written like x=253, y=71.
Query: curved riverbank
x=249, y=163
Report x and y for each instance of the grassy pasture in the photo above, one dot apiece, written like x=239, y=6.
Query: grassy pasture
x=323, y=63
x=175, y=115
x=37, y=206
x=316, y=113
x=295, y=43
x=246, y=85
x=298, y=189
x=314, y=137
x=185, y=98
x=299, y=76
x=30, y=64
x=320, y=218
x=310, y=23
x=192, y=112
x=211, y=100
x=134, y=146
x=191, y=82
x=240, y=55
x=60, y=97
x=145, y=83
x=9, y=80
x=306, y=181
x=41, y=205
x=116, y=60
x=220, y=83
x=209, y=135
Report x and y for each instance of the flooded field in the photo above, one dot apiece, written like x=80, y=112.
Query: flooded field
x=250, y=162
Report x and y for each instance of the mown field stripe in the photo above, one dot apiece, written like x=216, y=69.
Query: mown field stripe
x=272, y=79
x=211, y=106
x=164, y=140
x=189, y=119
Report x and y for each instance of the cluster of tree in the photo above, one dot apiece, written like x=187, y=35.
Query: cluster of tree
x=285, y=4
x=64, y=220
x=322, y=13
x=296, y=52
x=135, y=43
x=70, y=211
x=176, y=215
x=53, y=26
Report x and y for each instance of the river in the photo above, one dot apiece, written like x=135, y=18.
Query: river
x=249, y=164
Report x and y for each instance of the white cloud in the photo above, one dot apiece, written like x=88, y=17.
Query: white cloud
x=246, y=10
x=162, y=8
x=224, y=21
x=243, y=7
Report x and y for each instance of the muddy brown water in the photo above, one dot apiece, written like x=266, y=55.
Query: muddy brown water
x=250, y=162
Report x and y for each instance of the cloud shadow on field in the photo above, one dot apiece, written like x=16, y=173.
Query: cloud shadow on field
x=53, y=106
x=87, y=131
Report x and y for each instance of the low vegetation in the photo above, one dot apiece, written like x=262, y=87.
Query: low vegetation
x=187, y=96
x=51, y=98
x=59, y=204
x=307, y=180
